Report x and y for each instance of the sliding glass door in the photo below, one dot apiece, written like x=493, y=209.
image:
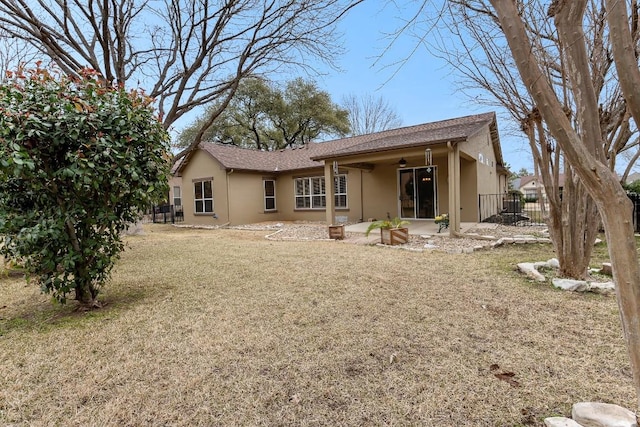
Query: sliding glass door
x=418, y=192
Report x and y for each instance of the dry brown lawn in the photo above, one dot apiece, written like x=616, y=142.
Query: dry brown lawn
x=226, y=328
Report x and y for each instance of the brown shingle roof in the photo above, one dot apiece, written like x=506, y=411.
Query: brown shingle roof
x=311, y=155
x=454, y=130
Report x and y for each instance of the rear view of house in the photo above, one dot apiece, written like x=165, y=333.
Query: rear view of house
x=415, y=172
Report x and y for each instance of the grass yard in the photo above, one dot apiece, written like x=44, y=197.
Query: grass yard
x=223, y=327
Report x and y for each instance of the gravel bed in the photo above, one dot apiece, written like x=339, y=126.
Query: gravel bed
x=305, y=231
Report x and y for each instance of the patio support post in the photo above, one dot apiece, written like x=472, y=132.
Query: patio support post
x=328, y=189
x=454, y=188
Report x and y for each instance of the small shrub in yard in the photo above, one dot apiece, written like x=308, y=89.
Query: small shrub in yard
x=78, y=161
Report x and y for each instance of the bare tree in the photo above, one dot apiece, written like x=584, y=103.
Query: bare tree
x=369, y=114
x=583, y=147
x=186, y=53
x=13, y=53
x=479, y=52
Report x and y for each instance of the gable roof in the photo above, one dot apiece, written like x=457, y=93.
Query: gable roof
x=525, y=180
x=312, y=155
x=454, y=130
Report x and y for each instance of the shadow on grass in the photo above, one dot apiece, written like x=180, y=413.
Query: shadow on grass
x=42, y=313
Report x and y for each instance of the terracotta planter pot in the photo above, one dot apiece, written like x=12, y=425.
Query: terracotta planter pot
x=394, y=236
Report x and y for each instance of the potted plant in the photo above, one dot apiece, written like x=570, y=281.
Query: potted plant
x=392, y=231
x=442, y=221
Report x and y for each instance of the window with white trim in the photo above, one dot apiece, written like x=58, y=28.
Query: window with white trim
x=310, y=193
x=203, y=196
x=340, y=191
x=177, y=199
x=269, y=194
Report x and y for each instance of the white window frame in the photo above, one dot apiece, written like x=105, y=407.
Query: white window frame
x=313, y=194
x=177, y=195
x=269, y=197
x=337, y=194
x=204, y=199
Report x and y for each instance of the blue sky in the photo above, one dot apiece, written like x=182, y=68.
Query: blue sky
x=422, y=91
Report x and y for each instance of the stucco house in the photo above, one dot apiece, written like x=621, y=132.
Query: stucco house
x=415, y=172
x=530, y=184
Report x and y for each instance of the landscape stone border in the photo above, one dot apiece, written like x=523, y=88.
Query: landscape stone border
x=595, y=414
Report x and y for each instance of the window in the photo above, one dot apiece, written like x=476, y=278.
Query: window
x=340, y=191
x=311, y=192
x=269, y=195
x=203, y=196
x=177, y=200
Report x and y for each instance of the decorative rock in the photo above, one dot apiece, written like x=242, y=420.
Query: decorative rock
x=560, y=422
x=425, y=236
x=529, y=269
x=604, y=288
x=554, y=263
x=134, y=229
x=430, y=246
x=595, y=414
x=606, y=269
x=570, y=285
x=541, y=264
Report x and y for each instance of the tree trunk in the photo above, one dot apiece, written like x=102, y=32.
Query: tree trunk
x=86, y=294
x=579, y=229
x=612, y=201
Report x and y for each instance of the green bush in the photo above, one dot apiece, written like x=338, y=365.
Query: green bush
x=78, y=161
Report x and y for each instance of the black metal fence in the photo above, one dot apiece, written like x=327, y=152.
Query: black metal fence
x=166, y=214
x=635, y=199
x=510, y=209
x=513, y=209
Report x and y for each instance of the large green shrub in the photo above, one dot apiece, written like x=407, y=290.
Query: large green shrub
x=78, y=161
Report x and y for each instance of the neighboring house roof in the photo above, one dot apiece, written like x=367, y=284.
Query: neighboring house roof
x=633, y=177
x=525, y=180
x=311, y=155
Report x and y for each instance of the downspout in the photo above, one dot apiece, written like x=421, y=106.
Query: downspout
x=229, y=172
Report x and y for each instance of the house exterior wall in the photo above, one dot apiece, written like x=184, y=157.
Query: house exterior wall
x=371, y=193
x=478, y=174
x=380, y=192
x=285, y=197
x=202, y=165
x=246, y=201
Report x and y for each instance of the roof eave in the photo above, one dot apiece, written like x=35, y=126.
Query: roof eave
x=387, y=149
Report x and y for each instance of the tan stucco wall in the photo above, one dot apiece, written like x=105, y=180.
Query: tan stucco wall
x=285, y=196
x=246, y=201
x=380, y=192
x=202, y=165
x=478, y=173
